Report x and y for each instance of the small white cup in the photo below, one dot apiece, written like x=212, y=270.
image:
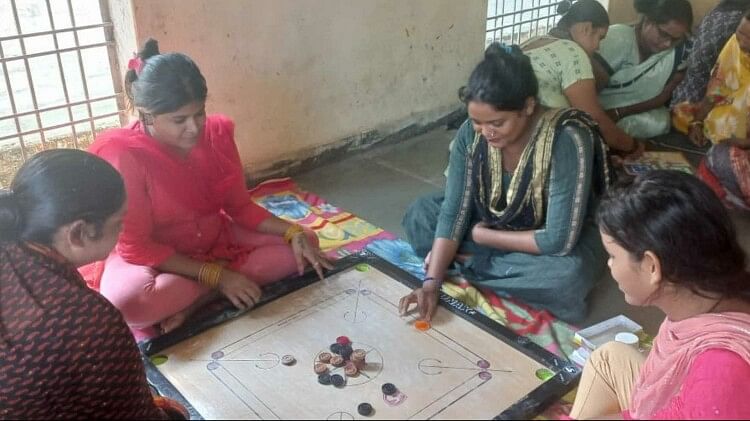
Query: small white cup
x=629, y=339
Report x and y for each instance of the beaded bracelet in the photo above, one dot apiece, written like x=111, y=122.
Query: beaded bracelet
x=292, y=232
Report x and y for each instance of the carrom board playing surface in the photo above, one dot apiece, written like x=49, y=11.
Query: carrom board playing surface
x=464, y=366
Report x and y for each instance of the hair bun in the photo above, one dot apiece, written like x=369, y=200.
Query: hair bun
x=150, y=49
x=500, y=50
x=564, y=7
x=10, y=216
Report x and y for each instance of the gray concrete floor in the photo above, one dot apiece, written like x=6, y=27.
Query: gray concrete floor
x=379, y=184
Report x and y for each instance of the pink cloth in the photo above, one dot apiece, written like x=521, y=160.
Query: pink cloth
x=671, y=371
x=715, y=388
x=181, y=204
x=145, y=297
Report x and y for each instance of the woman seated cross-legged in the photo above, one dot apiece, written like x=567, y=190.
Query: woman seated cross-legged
x=191, y=232
x=522, y=185
x=672, y=245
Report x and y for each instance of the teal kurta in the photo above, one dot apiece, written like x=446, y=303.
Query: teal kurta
x=572, y=256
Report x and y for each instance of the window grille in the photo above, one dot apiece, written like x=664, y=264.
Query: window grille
x=58, y=88
x=515, y=21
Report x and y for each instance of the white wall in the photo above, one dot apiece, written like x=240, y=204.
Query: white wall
x=300, y=76
x=622, y=11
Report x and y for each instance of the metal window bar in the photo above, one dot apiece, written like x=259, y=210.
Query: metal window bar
x=28, y=69
x=526, y=19
x=23, y=137
x=12, y=101
x=81, y=66
x=62, y=76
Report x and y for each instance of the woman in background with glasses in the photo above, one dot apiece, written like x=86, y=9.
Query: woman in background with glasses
x=638, y=66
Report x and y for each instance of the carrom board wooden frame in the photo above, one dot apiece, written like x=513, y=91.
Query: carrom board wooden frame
x=565, y=375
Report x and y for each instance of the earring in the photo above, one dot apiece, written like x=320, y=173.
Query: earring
x=147, y=119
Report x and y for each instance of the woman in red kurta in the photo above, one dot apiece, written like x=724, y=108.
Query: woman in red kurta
x=190, y=226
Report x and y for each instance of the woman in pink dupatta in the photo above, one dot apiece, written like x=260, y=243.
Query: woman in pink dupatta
x=191, y=232
x=673, y=246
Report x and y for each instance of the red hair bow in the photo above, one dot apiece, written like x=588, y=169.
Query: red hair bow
x=135, y=64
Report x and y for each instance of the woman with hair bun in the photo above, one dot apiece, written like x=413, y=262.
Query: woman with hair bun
x=191, y=232
x=672, y=245
x=562, y=65
x=516, y=213
x=65, y=351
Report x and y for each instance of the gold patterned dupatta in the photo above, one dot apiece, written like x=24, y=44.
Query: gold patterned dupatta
x=522, y=204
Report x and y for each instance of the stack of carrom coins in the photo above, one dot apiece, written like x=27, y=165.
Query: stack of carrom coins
x=358, y=358
x=341, y=356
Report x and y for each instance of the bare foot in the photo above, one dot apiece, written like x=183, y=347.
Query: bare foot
x=174, y=321
x=178, y=319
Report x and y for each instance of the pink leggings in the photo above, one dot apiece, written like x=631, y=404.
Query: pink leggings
x=145, y=296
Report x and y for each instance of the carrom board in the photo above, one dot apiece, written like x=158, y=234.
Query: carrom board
x=464, y=366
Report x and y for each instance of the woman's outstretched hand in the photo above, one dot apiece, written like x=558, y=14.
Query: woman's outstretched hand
x=307, y=253
x=426, y=299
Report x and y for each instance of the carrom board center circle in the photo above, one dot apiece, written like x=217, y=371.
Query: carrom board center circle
x=340, y=416
x=371, y=371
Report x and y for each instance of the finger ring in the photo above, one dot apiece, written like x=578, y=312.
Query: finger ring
x=316, y=264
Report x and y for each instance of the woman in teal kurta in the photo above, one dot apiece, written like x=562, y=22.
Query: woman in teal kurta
x=518, y=204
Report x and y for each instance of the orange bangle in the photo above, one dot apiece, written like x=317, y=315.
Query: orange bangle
x=292, y=232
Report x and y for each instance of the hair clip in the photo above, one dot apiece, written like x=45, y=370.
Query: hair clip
x=507, y=48
x=135, y=64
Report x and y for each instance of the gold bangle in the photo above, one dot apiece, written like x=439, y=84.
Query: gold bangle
x=209, y=274
x=203, y=274
x=292, y=232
